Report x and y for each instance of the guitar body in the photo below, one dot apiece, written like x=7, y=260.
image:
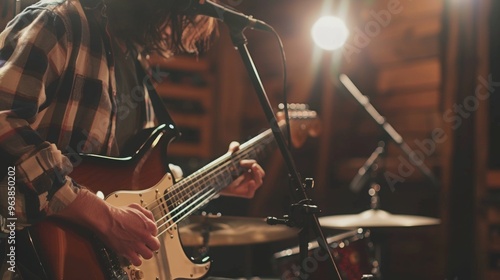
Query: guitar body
x=70, y=252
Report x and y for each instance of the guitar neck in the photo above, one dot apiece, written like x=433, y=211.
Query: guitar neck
x=197, y=189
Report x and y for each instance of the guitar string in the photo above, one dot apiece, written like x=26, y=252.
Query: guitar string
x=197, y=198
x=264, y=137
x=200, y=173
x=205, y=197
x=225, y=167
x=186, y=211
x=214, y=191
x=243, y=153
x=170, y=225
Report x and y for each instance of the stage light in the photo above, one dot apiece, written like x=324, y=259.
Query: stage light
x=329, y=33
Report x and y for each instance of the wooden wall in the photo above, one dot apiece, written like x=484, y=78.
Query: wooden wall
x=398, y=65
x=7, y=10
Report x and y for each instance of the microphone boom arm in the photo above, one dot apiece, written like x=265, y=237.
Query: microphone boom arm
x=387, y=128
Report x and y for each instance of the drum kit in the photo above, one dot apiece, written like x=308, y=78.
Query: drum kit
x=356, y=255
x=354, y=251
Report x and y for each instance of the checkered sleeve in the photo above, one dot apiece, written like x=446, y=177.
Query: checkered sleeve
x=33, y=51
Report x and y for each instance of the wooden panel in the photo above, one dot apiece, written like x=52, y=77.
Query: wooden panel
x=7, y=10
x=423, y=145
x=493, y=179
x=182, y=63
x=229, y=93
x=346, y=170
x=418, y=122
x=407, y=37
x=187, y=150
x=493, y=215
x=492, y=275
x=393, y=51
x=189, y=90
x=403, y=101
x=421, y=74
x=186, y=91
x=409, y=9
x=423, y=26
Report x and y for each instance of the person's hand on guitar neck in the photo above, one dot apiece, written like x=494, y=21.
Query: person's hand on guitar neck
x=246, y=184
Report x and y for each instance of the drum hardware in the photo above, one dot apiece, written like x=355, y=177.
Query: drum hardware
x=389, y=132
x=353, y=252
x=375, y=217
x=218, y=230
x=368, y=174
x=302, y=214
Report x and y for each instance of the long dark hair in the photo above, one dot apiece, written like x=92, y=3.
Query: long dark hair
x=160, y=26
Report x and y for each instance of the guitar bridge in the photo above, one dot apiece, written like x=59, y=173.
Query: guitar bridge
x=109, y=261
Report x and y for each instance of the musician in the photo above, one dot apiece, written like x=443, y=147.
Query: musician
x=68, y=82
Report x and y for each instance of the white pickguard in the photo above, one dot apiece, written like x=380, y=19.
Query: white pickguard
x=169, y=262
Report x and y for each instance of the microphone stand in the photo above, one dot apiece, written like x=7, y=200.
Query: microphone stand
x=387, y=128
x=303, y=211
x=364, y=173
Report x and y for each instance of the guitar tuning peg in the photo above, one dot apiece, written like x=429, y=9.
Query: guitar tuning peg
x=294, y=106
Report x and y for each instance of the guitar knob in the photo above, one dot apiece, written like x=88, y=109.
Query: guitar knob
x=137, y=274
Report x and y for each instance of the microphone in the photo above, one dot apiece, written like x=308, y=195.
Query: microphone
x=224, y=14
x=361, y=178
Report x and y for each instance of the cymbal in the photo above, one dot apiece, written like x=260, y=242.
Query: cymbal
x=231, y=230
x=376, y=218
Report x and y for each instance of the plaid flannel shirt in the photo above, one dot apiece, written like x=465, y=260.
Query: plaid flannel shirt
x=57, y=96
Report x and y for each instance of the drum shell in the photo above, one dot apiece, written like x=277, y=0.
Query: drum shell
x=352, y=251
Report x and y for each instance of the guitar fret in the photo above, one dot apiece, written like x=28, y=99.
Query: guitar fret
x=163, y=212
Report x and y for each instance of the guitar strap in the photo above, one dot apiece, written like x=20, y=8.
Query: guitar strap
x=159, y=107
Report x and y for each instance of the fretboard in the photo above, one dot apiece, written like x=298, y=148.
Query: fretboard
x=200, y=187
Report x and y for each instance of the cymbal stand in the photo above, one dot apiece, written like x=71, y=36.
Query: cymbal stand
x=368, y=174
x=389, y=133
x=205, y=234
x=377, y=247
x=303, y=211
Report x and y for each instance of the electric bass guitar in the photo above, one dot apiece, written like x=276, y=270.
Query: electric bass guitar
x=66, y=251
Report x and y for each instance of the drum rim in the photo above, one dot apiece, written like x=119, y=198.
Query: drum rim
x=351, y=236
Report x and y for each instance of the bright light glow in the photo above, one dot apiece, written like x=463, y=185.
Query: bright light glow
x=329, y=33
